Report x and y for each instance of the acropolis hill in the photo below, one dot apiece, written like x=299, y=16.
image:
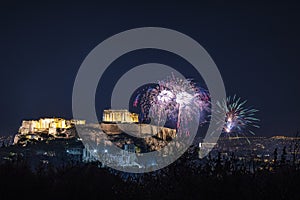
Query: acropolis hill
x=114, y=122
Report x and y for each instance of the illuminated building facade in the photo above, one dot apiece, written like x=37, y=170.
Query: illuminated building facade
x=120, y=116
x=78, y=121
x=47, y=124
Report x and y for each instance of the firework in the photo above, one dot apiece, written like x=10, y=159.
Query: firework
x=182, y=102
x=239, y=119
x=178, y=100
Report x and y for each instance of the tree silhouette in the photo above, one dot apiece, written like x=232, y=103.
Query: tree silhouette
x=275, y=156
x=283, y=156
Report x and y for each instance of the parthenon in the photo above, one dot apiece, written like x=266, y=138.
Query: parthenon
x=120, y=116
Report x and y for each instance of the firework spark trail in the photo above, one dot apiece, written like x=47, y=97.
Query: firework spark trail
x=239, y=120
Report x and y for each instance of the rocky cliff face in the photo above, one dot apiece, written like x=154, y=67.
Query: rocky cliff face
x=141, y=130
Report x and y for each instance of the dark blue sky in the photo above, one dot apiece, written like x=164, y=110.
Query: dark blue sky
x=255, y=47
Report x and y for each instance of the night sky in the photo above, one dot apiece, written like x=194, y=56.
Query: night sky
x=255, y=47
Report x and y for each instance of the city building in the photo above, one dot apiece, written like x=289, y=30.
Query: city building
x=55, y=127
x=125, y=158
x=48, y=124
x=43, y=124
x=78, y=121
